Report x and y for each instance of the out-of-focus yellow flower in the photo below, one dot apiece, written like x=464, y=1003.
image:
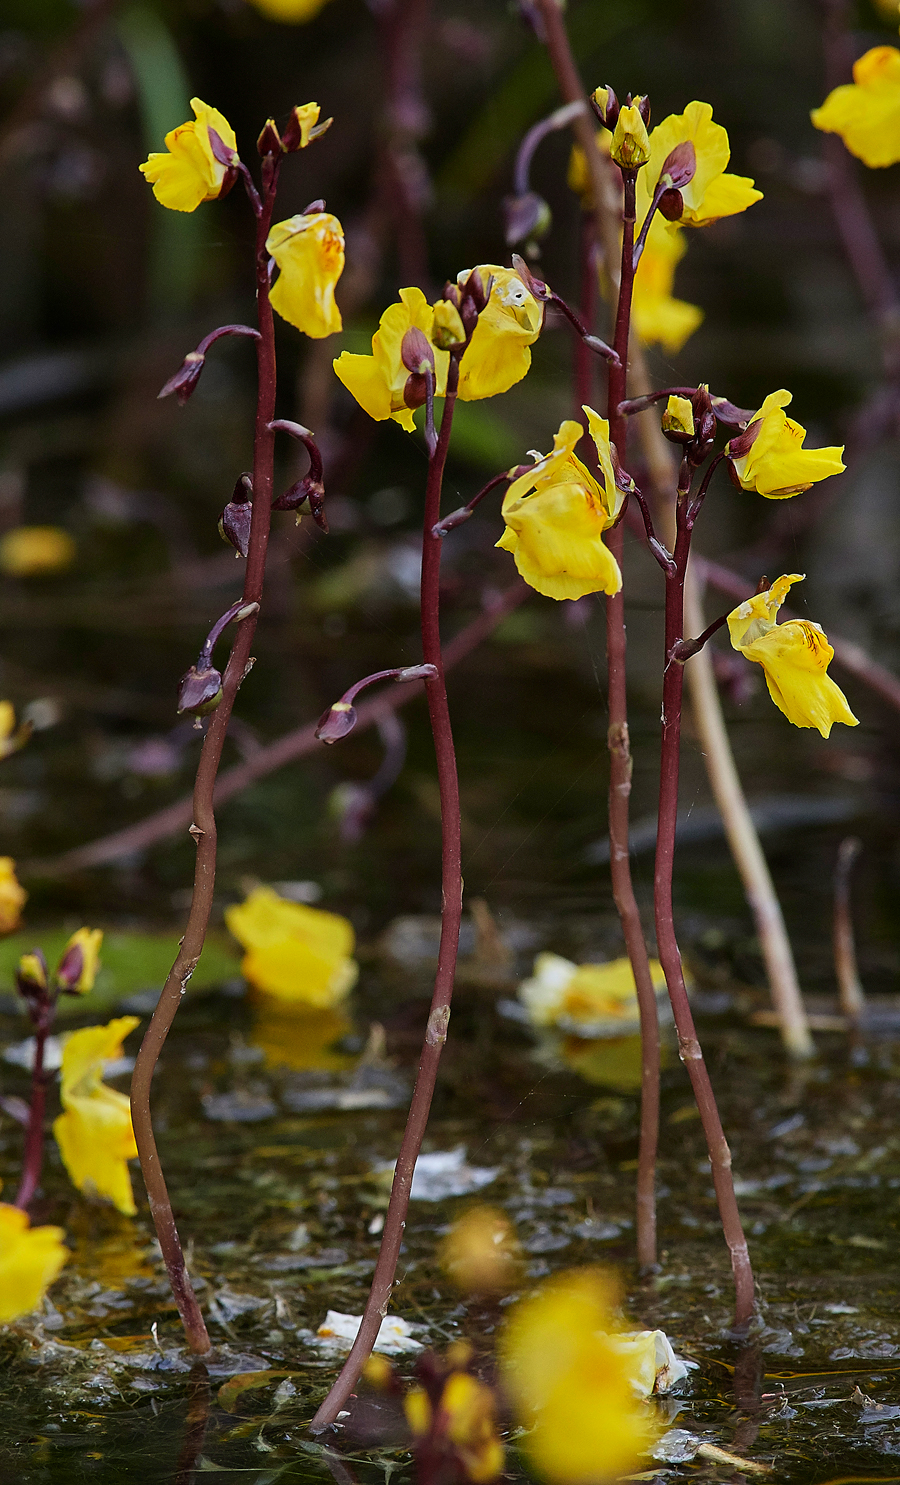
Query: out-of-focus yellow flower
x=590, y=998
x=297, y=954
x=630, y=145
x=94, y=1131
x=556, y=514
x=13, y=897
x=447, y=328
x=465, y=1420
x=77, y=969
x=770, y=458
x=499, y=353
x=30, y=1259
x=480, y=1252
x=795, y=656
x=36, y=551
x=570, y=1385
x=309, y=251
x=578, y=177
x=291, y=12
x=866, y=112
x=711, y=193
x=12, y=738
x=190, y=173
x=889, y=9
x=658, y=318
x=378, y=381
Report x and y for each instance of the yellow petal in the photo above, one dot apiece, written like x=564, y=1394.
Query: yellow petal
x=598, y=428
x=366, y=381
x=190, y=173
x=559, y=548
x=13, y=897
x=30, y=1259
x=866, y=112
x=710, y=194
x=292, y=970
x=498, y=354
x=264, y=919
x=309, y=251
x=96, y=1141
x=657, y=317
x=86, y=1053
x=776, y=464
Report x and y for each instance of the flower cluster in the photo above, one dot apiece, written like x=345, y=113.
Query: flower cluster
x=298, y=955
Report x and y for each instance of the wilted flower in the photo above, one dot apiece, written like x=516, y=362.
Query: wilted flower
x=571, y=1385
x=866, y=112
x=30, y=1259
x=36, y=551
x=296, y=954
x=556, y=514
x=770, y=458
x=795, y=657
x=309, y=251
x=13, y=897
x=94, y=1132
x=710, y=192
x=191, y=171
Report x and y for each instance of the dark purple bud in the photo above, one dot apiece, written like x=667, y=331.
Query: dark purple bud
x=415, y=393
x=229, y=181
x=671, y=206
x=736, y=448
x=305, y=489
x=31, y=976
x=70, y=969
x=451, y=292
x=475, y=290
x=606, y=106
x=234, y=525
x=199, y=691
x=680, y=166
x=269, y=141
x=644, y=108
x=527, y=218
x=336, y=722
x=314, y=208
x=729, y=415
x=185, y=379
x=416, y=352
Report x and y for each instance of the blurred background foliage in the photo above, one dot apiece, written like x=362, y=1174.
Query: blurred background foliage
x=101, y=294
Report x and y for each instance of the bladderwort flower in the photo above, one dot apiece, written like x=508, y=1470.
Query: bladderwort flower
x=866, y=112
x=30, y=1259
x=94, y=1131
x=77, y=969
x=556, y=515
x=769, y=456
x=795, y=657
x=13, y=896
x=711, y=193
x=378, y=382
x=191, y=171
x=309, y=252
x=297, y=955
x=499, y=353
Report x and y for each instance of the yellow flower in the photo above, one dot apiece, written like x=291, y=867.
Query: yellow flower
x=656, y=316
x=33, y=551
x=578, y=177
x=465, y=1423
x=13, y=897
x=679, y=416
x=711, y=193
x=770, y=458
x=378, y=381
x=12, y=738
x=570, y=1385
x=94, y=1132
x=889, y=9
x=556, y=514
x=190, y=172
x=309, y=251
x=295, y=953
x=630, y=146
x=866, y=112
x=590, y=998
x=499, y=353
x=77, y=969
x=291, y=12
x=480, y=1252
x=795, y=656
x=30, y=1259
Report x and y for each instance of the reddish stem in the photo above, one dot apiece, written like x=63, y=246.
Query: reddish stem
x=451, y=914
x=203, y=828
x=34, y=1140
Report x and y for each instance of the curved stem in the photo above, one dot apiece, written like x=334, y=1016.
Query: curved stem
x=451, y=914
x=670, y=957
x=34, y=1140
x=203, y=828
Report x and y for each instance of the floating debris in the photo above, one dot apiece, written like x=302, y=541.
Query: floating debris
x=395, y=1336
x=444, y=1173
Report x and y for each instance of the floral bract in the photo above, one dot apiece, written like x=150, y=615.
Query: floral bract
x=30, y=1259
x=295, y=953
x=795, y=656
x=866, y=112
x=556, y=514
x=94, y=1132
x=770, y=458
x=309, y=251
x=712, y=193
x=190, y=173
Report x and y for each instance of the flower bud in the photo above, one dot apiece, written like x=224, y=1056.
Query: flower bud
x=527, y=218
x=302, y=127
x=31, y=976
x=415, y=392
x=77, y=969
x=642, y=105
x=447, y=328
x=680, y=167
x=269, y=141
x=336, y=722
x=678, y=420
x=606, y=106
x=416, y=352
x=630, y=142
x=185, y=379
x=452, y=294
x=199, y=691
x=234, y=522
x=671, y=205
x=475, y=290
